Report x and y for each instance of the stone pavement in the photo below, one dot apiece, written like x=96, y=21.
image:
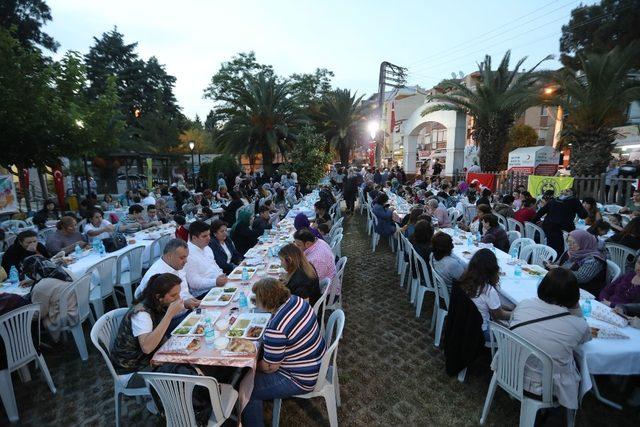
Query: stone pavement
x=390, y=372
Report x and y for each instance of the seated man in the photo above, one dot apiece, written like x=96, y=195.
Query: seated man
x=151, y=219
x=317, y=251
x=134, y=220
x=173, y=259
x=261, y=222
x=202, y=271
x=321, y=212
x=26, y=244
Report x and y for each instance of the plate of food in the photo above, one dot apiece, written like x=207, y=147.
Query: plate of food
x=181, y=345
x=249, y=325
x=534, y=270
x=237, y=273
x=219, y=296
x=274, y=268
x=193, y=325
x=239, y=345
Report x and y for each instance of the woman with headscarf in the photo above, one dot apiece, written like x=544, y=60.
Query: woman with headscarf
x=585, y=261
x=49, y=280
x=244, y=238
x=301, y=221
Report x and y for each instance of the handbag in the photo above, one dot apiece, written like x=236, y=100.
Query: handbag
x=115, y=242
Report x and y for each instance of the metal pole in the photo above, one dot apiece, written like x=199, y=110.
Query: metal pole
x=193, y=170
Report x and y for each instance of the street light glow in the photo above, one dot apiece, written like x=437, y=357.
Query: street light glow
x=80, y=123
x=373, y=127
x=549, y=90
x=192, y=145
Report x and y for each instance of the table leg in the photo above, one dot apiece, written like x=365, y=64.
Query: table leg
x=601, y=398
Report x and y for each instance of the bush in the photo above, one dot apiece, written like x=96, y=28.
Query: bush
x=309, y=158
x=225, y=164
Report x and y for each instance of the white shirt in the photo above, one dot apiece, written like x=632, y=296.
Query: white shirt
x=160, y=267
x=226, y=251
x=201, y=269
x=149, y=200
x=487, y=300
x=90, y=227
x=141, y=324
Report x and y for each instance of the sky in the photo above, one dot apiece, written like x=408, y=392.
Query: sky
x=349, y=37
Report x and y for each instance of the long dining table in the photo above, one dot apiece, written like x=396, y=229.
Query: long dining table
x=596, y=357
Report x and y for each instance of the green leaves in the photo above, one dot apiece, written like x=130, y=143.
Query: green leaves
x=339, y=117
x=308, y=157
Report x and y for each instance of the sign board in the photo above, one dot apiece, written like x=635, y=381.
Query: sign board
x=8, y=199
x=627, y=135
x=541, y=160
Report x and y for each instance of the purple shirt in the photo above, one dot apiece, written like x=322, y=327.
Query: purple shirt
x=621, y=291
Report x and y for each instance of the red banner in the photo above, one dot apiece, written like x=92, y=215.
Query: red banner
x=372, y=153
x=58, y=183
x=487, y=180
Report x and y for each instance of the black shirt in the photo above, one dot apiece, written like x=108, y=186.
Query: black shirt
x=305, y=287
x=16, y=254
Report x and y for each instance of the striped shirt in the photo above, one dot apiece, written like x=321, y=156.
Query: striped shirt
x=293, y=340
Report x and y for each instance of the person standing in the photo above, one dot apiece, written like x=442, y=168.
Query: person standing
x=437, y=168
x=350, y=190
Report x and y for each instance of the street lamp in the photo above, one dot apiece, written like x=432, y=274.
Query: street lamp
x=373, y=127
x=192, y=145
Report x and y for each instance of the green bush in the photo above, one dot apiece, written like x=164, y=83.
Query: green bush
x=225, y=164
x=308, y=157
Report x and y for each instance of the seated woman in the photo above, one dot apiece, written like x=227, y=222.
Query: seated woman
x=143, y=328
x=479, y=282
x=590, y=205
x=230, y=210
x=302, y=278
x=243, y=236
x=108, y=204
x=48, y=213
x=97, y=227
x=476, y=223
x=629, y=237
x=493, y=233
x=293, y=349
x=585, y=260
x=181, y=230
x=385, y=227
x=301, y=221
x=408, y=228
x=162, y=210
x=65, y=238
x=600, y=229
x=26, y=244
x=558, y=296
x=624, y=290
x=449, y=267
x=224, y=251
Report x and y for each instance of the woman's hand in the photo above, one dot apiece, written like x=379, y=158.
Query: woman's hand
x=175, y=308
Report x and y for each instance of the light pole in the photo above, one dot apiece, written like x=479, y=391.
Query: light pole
x=193, y=164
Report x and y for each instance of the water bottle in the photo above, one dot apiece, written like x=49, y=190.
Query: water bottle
x=243, y=304
x=14, y=277
x=245, y=274
x=469, y=241
x=209, y=333
x=95, y=245
x=77, y=251
x=455, y=230
x=514, y=254
x=586, y=308
x=101, y=249
x=517, y=271
x=478, y=237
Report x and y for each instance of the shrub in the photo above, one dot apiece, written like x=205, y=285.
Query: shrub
x=224, y=163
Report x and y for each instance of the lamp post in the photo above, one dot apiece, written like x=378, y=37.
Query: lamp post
x=193, y=164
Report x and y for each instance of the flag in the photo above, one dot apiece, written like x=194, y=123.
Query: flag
x=392, y=123
x=539, y=184
x=149, y=173
x=58, y=184
x=487, y=180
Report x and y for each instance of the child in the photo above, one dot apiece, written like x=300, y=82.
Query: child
x=323, y=228
x=181, y=231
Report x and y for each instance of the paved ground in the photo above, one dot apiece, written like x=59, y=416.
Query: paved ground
x=390, y=373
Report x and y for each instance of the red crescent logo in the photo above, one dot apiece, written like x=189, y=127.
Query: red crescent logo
x=57, y=174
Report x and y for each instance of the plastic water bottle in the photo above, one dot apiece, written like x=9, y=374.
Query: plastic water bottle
x=209, y=333
x=77, y=251
x=513, y=253
x=469, y=241
x=14, y=277
x=243, y=303
x=478, y=237
x=245, y=274
x=95, y=245
x=517, y=271
x=586, y=308
x=455, y=230
x=101, y=249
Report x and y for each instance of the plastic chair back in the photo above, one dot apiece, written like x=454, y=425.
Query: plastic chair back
x=81, y=288
x=620, y=254
x=176, y=393
x=613, y=271
x=332, y=337
x=513, y=225
x=337, y=224
x=335, y=294
x=105, y=270
x=133, y=258
x=520, y=243
x=454, y=214
x=335, y=245
x=443, y=289
x=15, y=331
x=513, y=353
x=502, y=221
x=537, y=254
x=43, y=235
x=103, y=335
x=423, y=272
x=512, y=236
x=532, y=231
x=14, y=225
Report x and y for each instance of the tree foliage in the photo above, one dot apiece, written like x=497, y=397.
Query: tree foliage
x=498, y=98
x=224, y=164
x=308, y=156
x=340, y=118
x=25, y=19
x=599, y=28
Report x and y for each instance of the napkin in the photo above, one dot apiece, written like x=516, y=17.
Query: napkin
x=605, y=314
x=612, y=334
x=178, y=345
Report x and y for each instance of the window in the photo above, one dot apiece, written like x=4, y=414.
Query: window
x=542, y=134
x=543, y=111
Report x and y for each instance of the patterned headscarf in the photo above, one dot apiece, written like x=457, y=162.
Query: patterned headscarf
x=588, y=246
x=38, y=267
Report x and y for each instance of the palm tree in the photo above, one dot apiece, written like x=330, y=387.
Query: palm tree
x=595, y=100
x=497, y=100
x=339, y=114
x=261, y=118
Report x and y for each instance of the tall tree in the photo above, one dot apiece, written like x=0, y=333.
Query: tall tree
x=262, y=117
x=595, y=100
x=340, y=115
x=309, y=88
x=498, y=98
x=25, y=19
x=599, y=28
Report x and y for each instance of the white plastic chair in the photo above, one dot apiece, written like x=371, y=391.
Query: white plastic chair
x=537, y=254
x=44, y=234
x=334, y=299
x=156, y=248
x=15, y=331
x=336, y=244
x=328, y=385
x=520, y=243
x=176, y=391
x=103, y=335
x=613, y=271
x=375, y=237
x=334, y=233
x=614, y=209
x=320, y=307
x=81, y=288
x=620, y=254
x=454, y=214
x=502, y=221
x=511, y=358
x=14, y=225
x=513, y=225
x=337, y=224
x=129, y=273
x=442, y=295
x=105, y=270
x=513, y=236
x=422, y=275
x=531, y=231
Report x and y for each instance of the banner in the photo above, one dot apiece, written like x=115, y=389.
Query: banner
x=539, y=184
x=58, y=184
x=8, y=199
x=149, y=173
x=487, y=180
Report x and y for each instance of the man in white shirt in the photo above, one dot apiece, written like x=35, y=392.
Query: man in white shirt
x=147, y=199
x=201, y=269
x=173, y=260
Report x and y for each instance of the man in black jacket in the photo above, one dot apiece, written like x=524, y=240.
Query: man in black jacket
x=26, y=244
x=558, y=217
